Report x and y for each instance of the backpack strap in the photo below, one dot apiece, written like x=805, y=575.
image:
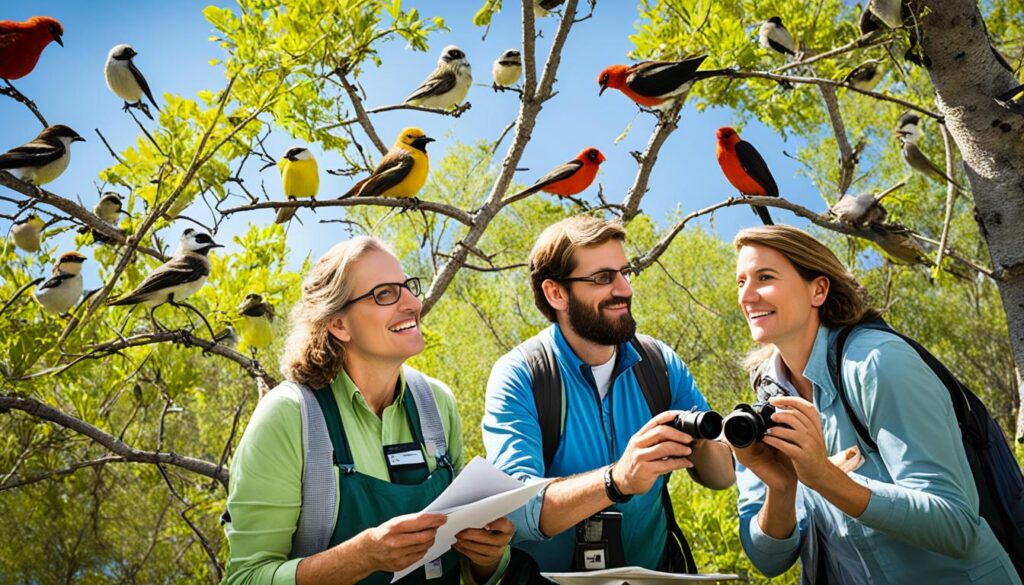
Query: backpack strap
x=547, y=394
x=652, y=374
x=429, y=415
x=316, y=517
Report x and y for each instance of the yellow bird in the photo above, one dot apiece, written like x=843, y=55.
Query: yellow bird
x=402, y=172
x=301, y=178
x=255, y=325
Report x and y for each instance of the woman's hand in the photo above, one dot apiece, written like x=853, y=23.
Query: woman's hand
x=798, y=436
x=485, y=546
x=402, y=540
x=769, y=464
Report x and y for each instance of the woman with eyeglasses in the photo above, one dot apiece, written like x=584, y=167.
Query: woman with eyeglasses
x=356, y=323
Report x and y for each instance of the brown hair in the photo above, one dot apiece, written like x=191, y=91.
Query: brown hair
x=847, y=302
x=312, y=356
x=553, y=256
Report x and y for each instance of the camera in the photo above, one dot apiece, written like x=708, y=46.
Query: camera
x=746, y=425
x=699, y=424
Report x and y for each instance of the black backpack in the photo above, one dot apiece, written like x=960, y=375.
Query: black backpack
x=652, y=375
x=996, y=472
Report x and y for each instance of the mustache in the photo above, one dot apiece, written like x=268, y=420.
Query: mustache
x=617, y=301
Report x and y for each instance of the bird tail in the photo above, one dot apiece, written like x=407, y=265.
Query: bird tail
x=354, y=191
x=762, y=212
x=524, y=193
x=709, y=73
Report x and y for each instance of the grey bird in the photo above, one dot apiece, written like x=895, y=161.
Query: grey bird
x=859, y=210
x=44, y=159
x=909, y=132
x=899, y=244
x=774, y=36
x=126, y=81
x=447, y=85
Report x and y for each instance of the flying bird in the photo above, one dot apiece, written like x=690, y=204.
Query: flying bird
x=745, y=169
x=909, y=132
x=569, y=179
x=300, y=177
x=655, y=84
x=255, y=325
x=21, y=44
x=774, y=36
x=44, y=159
x=178, y=278
x=542, y=8
x=507, y=69
x=58, y=294
x=866, y=75
x=126, y=81
x=449, y=83
x=27, y=233
x=401, y=173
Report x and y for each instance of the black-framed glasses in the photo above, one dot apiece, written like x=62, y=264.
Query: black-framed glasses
x=388, y=293
x=603, y=277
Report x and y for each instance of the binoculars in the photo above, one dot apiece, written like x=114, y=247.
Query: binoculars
x=699, y=424
x=743, y=427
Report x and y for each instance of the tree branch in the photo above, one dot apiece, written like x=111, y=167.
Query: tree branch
x=453, y=112
x=432, y=206
x=13, y=93
x=364, y=120
x=667, y=123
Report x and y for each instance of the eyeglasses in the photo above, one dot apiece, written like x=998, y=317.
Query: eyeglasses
x=603, y=277
x=389, y=292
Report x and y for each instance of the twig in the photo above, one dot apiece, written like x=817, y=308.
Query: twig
x=61, y=472
x=19, y=292
x=858, y=43
x=951, y=191
x=667, y=122
x=403, y=203
x=453, y=112
x=107, y=144
x=13, y=93
x=364, y=120
x=847, y=158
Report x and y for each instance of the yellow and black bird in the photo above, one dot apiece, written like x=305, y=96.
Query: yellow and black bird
x=300, y=177
x=255, y=323
x=401, y=173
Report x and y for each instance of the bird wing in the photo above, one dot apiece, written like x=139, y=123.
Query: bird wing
x=55, y=281
x=559, y=173
x=34, y=154
x=440, y=82
x=394, y=167
x=177, y=271
x=755, y=166
x=657, y=78
x=141, y=80
x=549, y=4
x=8, y=38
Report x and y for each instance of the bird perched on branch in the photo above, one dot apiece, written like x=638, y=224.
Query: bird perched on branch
x=449, y=83
x=21, y=44
x=58, y=294
x=866, y=75
x=861, y=209
x=27, y=233
x=655, y=84
x=542, y=8
x=569, y=179
x=178, y=278
x=774, y=37
x=300, y=177
x=109, y=208
x=507, y=68
x=909, y=132
x=745, y=169
x=255, y=325
x=126, y=81
x=401, y=173
x=44, y=159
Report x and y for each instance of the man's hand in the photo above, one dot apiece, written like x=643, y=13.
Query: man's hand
x=485, y=546
x=401, y=541
x=656, y=449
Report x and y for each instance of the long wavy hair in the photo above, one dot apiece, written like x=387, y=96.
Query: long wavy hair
x=312, y=356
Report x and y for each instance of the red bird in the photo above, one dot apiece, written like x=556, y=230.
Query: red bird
x=655, y=84
x=21, y=43
x=745, y=169
x=569, y=179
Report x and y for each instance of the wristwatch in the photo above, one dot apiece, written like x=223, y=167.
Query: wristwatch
x=612, y=490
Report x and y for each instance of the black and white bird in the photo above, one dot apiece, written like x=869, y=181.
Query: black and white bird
x=909, y=132
x=27, y=233
x=542, y=8
x=58, y=294
x=126, y=81
x=449, y=83
x=866, y=75
x=109, y=208
x=774, y=37
x=507, y=68
x=44, y=159
x=178, y=278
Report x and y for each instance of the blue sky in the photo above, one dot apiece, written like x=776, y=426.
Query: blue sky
x=172, y=41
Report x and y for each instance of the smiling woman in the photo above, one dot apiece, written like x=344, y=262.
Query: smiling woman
x=351, y=332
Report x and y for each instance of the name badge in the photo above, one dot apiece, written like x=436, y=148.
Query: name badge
x=404, y=455
x=433, y=569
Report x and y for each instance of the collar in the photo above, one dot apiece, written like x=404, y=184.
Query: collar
x=816, y=369
x=626, y=356
x=344, y=387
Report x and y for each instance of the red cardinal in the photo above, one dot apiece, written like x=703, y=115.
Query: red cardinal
x=745, y=169
x=569, y=179
x=21, y=43
x=655, y=84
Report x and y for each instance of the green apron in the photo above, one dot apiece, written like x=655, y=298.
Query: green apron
x=367, y=502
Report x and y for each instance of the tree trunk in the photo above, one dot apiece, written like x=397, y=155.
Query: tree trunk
x=967, y=76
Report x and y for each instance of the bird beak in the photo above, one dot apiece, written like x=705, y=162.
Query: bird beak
x=603, y=87
x=215, y=245
x=59, y=40
x=78, y=139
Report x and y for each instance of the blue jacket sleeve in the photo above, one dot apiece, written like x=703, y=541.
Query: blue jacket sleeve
x=770, y=555
x=932, y=501
x=512, y=436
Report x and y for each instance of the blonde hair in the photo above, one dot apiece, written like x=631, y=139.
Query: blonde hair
x=312, y=356
x=847, y=302
x=553, y=255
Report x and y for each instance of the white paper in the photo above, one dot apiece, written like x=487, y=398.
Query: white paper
x=635, y=576
x=480, y=494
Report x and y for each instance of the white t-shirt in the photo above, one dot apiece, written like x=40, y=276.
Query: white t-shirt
x=603, y=375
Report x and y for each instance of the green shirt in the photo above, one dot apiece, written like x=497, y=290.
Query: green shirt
x=265, y=491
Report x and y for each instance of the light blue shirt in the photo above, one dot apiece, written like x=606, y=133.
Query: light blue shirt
x=921, y=524
x=595, y=433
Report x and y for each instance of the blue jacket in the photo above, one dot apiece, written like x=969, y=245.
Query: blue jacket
x=595, y=434
x=921, y=524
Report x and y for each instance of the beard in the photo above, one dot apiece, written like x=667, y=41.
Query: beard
x=591, y=325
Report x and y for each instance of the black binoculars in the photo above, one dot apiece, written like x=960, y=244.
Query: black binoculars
x=746, y=425
x=699, y=424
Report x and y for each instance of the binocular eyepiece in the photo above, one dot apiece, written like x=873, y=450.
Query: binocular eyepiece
x=699, y=424
x=746, y=425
